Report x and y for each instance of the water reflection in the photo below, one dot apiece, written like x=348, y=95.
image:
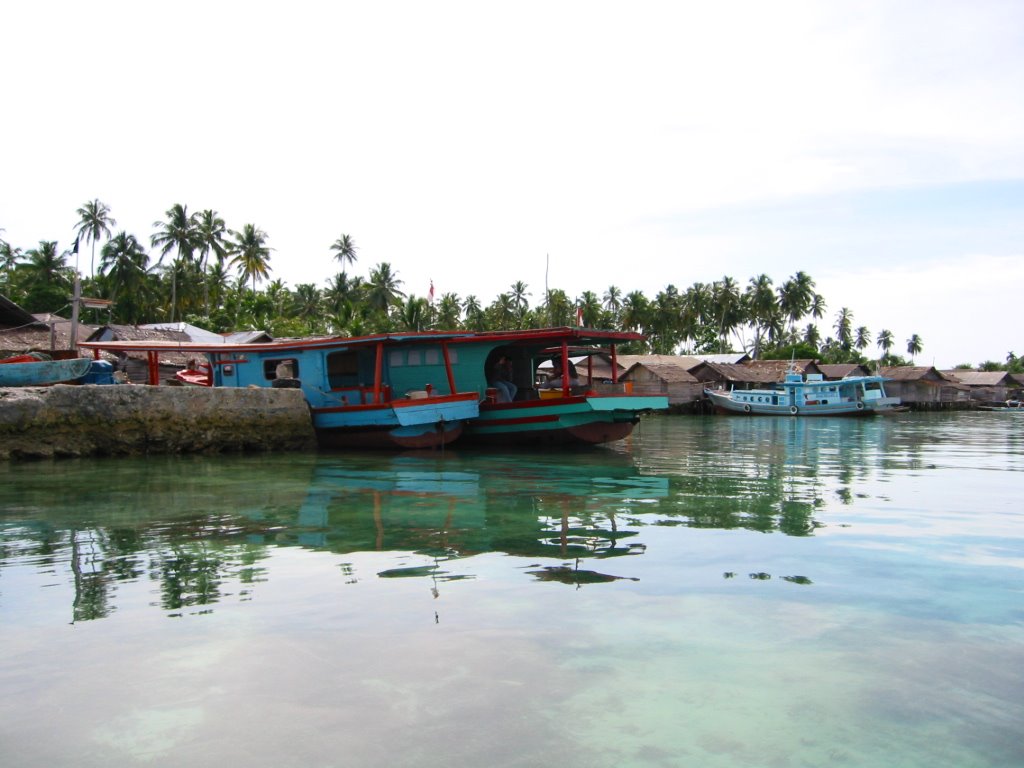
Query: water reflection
x=201, y=529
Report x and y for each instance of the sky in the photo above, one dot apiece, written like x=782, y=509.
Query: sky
x=876, y=146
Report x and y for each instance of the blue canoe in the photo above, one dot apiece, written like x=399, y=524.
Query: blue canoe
x=43, y=372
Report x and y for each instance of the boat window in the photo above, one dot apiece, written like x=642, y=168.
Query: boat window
x=453, y=356
x=432, y=356
x=281, y=368
x=343, y=369
x=414, y=357
x=396, y=358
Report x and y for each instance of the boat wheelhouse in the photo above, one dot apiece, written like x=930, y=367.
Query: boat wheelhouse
x=583, y=409
x=383, y=391
x=797, y=395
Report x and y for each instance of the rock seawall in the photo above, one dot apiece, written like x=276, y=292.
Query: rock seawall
x=65, y=420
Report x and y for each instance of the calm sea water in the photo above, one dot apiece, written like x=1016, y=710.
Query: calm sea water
x=711, y=592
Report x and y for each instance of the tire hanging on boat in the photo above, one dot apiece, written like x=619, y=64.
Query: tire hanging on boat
x=793, y=410
x=746, y=408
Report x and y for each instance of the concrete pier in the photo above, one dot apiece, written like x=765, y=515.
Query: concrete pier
x=65, y=420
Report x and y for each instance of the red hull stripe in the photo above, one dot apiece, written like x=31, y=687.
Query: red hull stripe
x=520, y=420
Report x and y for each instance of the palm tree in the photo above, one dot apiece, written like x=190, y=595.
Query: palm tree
x=635, y=311
x=344, y=251
x=250, y=254
x=730, y=312
x=818, y=306
x=519, y=293
x=914, y=346
x=125, y=264
x=46, y=279
x=382, y=289
x=844, y=329
x=476, y=319
x=9, y=256
x=591, y=307
x=763, y=309
x=449, y=312
x=885, y=341
x=811, y=335
x=210, y=236
x=414, y=313
x=178, y=233
x=862, y=338
x=613, y=303
x=94, y=221
x=796, y=297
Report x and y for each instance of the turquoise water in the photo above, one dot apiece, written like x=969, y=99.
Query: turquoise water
x=711, y=592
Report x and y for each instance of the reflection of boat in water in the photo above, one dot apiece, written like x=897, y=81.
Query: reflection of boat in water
x=456, y=507
x=810, y=395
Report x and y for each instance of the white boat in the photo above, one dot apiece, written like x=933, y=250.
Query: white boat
x=811, y=395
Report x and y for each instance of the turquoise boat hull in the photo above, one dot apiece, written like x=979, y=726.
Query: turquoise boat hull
x=43, y=373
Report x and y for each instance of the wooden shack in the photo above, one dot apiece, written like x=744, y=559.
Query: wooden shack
x=987, y=386
x=667, y=377
x=925, y=387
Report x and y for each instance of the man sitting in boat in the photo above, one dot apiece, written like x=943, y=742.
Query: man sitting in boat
x=556, y=382
x=501, y=380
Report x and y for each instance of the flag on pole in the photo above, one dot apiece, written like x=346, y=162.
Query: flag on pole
x=579, y=316
x=74, y=248
x=430, y=293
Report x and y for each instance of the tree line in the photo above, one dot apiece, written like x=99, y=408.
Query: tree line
x=196, y=269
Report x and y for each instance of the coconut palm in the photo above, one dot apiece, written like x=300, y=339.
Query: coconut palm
x=94, y=221
x=180, y=234
x=591, y=306
x=844, y=329
x=211, y=233
x=9, y=257
x=344, y=251
x=862, y=338
x=414, y=313
x=612, y=298
x=635, y=311
x=476, y=319
x=519, y=293
x=46, y=277
x=124, y=265
x=250, y=254
x=763, y=309
x=796, y=297
x=885, y=341
x=449, y=312
x=818, y=306
x=382, y=289
x=914, y=346
x=729, y=308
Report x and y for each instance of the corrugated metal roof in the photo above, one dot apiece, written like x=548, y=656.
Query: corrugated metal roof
x=981, y=378
x=841, y=370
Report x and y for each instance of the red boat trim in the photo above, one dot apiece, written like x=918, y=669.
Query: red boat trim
x=519, y=420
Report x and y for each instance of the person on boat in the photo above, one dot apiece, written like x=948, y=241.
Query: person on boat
x=574, y=379
x=501, y=379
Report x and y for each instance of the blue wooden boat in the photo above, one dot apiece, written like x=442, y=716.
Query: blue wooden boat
x=583, y=411
x=811, y=395
x=382, y=391
x=39, y=373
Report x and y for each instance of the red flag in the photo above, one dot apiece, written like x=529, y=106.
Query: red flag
x=430, y=294
x=579, y=316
